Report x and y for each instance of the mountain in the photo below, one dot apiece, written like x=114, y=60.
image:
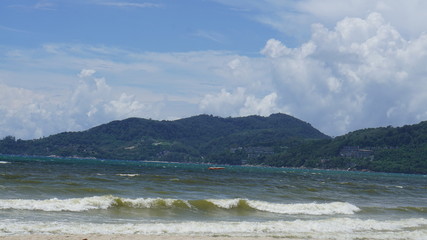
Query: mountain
x=202, y=138
x=278, y=140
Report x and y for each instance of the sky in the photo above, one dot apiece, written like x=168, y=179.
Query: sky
x=340, y=65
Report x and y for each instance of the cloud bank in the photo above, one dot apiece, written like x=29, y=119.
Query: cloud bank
x=362, y=73
x=29, y=114
x=359, y=73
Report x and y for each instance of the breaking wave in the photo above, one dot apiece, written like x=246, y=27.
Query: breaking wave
x=107, y=202
x=128, y=174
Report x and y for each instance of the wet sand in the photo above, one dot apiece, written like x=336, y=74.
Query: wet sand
x=130, y=237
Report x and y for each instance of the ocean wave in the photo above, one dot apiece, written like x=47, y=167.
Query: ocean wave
x=106, y=202
x=333, y=228
x=55, y=205
x=295, y=208
x=4, y=162
x=128, y=175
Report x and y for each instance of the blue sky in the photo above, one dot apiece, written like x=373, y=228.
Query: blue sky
x=160, y=26
x=68, y=65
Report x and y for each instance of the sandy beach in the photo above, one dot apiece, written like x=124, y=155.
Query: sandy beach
x=130, y=237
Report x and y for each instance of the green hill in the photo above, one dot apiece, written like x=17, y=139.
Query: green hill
x=278, y=140
x=384, y=149
x=201, y=138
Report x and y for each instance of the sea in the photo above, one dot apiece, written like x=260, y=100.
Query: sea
x=89, y=196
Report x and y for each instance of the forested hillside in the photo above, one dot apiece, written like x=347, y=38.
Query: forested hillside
x=385, y=149
x=278, y=140
x=201, y=138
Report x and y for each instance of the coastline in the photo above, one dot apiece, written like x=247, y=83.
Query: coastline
x=2, y=156
x=134, y=237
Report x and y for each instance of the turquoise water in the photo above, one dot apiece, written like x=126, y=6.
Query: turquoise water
x=65, y=196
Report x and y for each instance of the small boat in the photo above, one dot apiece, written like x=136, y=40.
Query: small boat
x=216, y=168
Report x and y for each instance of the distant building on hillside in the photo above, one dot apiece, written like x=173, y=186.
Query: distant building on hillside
x=254, y=152
x=356, y=152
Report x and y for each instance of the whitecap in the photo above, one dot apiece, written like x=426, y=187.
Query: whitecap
x=293, y=208
x=225, y=203
x=88, y=203
x=305, y=208
x=127, y=174
x=105, y=202
x=57, y=205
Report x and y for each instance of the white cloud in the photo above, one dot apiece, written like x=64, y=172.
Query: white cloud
x=124, y=106
x=275, y=48
x=61, y=79
x=358, y=75
x=294, y=18
x=224, y=102
x=407, y=17
x=360, y=72
x=18, y=109
x=264, y=107
x=239, y=103
x=30, y=114
x=86, y=73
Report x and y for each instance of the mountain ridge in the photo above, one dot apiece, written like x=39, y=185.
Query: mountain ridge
x=278, y=140
x=188, y=139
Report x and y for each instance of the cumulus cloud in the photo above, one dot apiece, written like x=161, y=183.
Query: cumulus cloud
x=86, y=73
x=239, y=103
x=264, y=107
x=408, y=18
x=125, y=105
x=294, y=18
x=18, y=108
x=360, y=73
x=30, y=114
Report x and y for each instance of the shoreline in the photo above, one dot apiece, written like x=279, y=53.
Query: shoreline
x=205, y=163
x=136, y=237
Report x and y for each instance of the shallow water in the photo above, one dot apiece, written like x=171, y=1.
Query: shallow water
x=64, y=196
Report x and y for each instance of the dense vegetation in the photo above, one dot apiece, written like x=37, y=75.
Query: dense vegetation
x=201, y=138
x=278, y=140
x=385, y=149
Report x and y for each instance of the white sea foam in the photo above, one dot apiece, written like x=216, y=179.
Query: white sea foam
x=152, y=202
x=4, y=162
x=333, y=228
x=55, y=205
x=85, y=204
x=306, y=208
x=296, y=208
x=226, y=203
x=105, y=202
x=128, y=174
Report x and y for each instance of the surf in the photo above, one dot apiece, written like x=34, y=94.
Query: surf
x=110, y=201
x=330, y=228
